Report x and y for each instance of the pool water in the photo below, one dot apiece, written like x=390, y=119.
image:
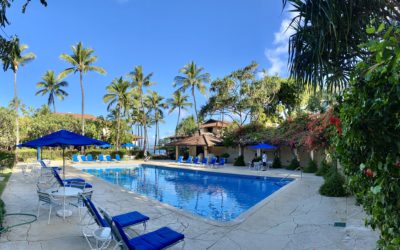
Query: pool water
x=216, y=196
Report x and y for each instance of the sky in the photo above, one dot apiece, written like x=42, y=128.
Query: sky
x=160, y=35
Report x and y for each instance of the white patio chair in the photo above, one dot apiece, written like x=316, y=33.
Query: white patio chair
x=45, y=199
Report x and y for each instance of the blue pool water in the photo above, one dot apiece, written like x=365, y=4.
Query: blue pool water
x=216, y=196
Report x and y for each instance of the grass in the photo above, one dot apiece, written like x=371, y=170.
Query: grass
x=4, y=173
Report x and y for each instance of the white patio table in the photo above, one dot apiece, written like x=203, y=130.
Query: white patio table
x=65, y=192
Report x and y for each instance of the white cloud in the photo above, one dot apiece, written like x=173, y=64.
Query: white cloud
x=278, y=55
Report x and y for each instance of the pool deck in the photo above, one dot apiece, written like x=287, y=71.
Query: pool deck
x=294, y=217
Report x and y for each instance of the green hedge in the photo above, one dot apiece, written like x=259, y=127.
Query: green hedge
x=334, y=185
x=312, y=167
x=294, y=164
x=2, y=213
x=239, y=161
x=276, y=163
x=28, y=154
x=7, y=159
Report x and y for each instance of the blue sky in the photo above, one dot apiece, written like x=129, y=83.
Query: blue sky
x=161, y=35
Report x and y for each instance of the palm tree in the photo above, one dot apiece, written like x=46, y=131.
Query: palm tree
x=157, y=105
x=117, y=95
x=15, y=59
x=81, y=61
x=324, y=48
x=194, y=79
x=140, y=81
x=52, y=85
x=180, y=102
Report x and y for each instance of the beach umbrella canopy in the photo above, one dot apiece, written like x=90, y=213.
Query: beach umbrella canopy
x=62, y=138
x=263, y=146
x=106, y=146
x=128, y=145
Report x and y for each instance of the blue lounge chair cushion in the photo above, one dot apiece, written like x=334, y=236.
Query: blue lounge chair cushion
x=108, y=158
x=117, y=157
x=99, y=218
x=100, y=157
x=75, y=158
x=89, y=157
x=158, y=239
x=83, y=158
x=131, y=218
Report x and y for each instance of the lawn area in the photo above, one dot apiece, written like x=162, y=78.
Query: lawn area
x=6, y=173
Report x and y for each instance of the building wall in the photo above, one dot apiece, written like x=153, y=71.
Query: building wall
x=284, y=153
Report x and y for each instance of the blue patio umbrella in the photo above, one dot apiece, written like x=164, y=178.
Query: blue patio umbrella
x=263, y=146
x=106, y=146
x=62, y=138
x=128, y=145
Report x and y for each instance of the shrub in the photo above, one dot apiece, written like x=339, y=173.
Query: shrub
x=2, y=213
x=7, y=159
x=140, y=154
x=312, y=167
x=333, y=185
x=323, y=169
x=294, y=164
x=239, y=161
x=276, y=163
x=160, y=157
x=225, y=155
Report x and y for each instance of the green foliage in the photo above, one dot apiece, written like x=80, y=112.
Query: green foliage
x=311, y=167
x=334, y=186
x=320, y=51
x=187, y=126
x=277, y=162
x=2, y=213
x=239, y=161
x=369, y=147
x=7, y=128
x=225, y=155
x=324, y=168
x=294, y=164
x=7, y=159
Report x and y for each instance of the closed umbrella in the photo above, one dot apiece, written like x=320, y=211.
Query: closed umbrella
x=263, y=146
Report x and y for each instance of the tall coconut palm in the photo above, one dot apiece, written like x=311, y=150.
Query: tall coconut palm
x=139, y=82
x=193, y=78
x=180, y=102
x=81, y=61
x=53, y=86
x=117, y=96
x=15, y=59
x=156, y=105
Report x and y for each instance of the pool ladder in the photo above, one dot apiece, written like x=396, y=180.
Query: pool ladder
x=287, y=176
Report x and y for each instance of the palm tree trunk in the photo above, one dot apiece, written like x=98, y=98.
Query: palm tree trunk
x=54, y=106
x=118, y=128
x=144, y=125
x=177, y=123
x=83, y=103
x=16, y=116
x=155, y=139
x=195, y=109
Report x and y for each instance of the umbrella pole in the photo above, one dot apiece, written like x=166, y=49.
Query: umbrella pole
x=63, y=162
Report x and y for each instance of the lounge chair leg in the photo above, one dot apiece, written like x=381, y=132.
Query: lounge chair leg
x=38, y=209
x=48, y=221
x=145, y=225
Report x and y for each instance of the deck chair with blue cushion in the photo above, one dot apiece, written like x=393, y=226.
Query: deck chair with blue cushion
x=189, y=159
x=89, y=158
x=75, y=158
x=196, y=160
x=117, y=157
x=180, y=159
x=108, y=158
x=204, y=161
x=213, y=161
x=220, y=163
x=159, y=239
x=71, y=182
x=100, y=157
x=126, y=220
x=83, y=158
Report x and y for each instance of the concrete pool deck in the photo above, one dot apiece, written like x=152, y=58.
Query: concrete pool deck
x=295, y=217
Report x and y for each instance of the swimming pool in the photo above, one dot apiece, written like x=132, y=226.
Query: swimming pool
x=216, y=196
